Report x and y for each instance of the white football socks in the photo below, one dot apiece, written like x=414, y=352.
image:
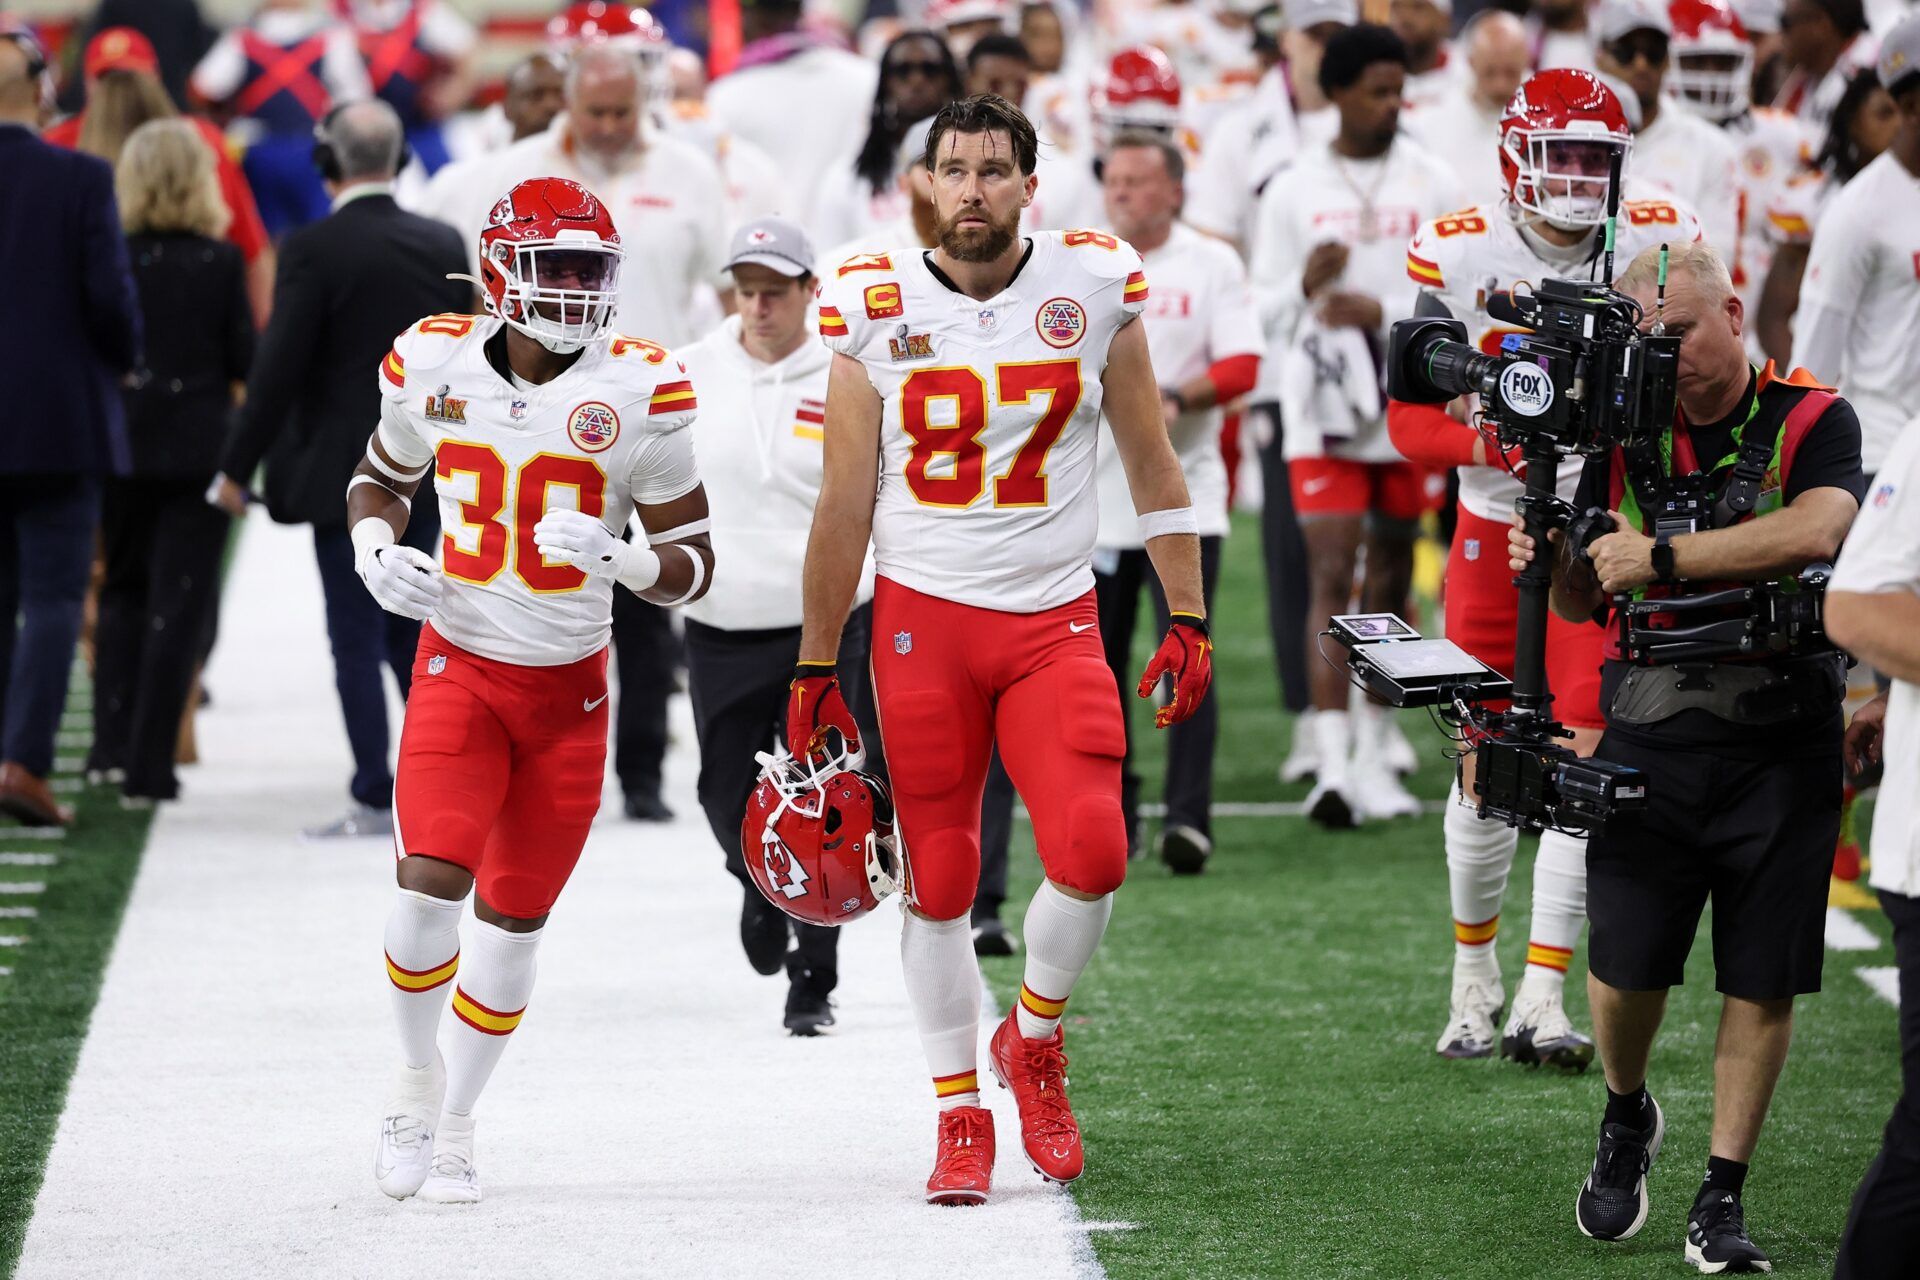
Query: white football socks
x=423, y=953
x=1559, y=909
x=488, y=1002
x=1333, y=734
x=1479, y=855
x=943, y=985
x=1062, y=934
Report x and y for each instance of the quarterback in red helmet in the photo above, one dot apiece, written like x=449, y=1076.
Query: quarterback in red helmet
x=1559, y=137
x=546, y=432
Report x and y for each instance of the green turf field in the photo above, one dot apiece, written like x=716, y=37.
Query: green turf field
x=46, y=1000
x=1253, y=1055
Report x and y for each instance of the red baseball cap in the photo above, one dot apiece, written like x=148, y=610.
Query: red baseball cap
x=119, y=49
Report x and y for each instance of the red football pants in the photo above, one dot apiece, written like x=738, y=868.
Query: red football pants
x=1483, y=609
x=951, y=681
x=500, y=770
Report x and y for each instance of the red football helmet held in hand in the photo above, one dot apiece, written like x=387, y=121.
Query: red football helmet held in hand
x=818, y=838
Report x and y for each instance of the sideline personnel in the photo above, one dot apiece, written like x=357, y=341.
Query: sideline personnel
x=1873, y=610
x=1742, y=758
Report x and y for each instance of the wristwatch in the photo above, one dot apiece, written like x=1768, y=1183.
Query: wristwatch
x=1179, y=401
x=1663, y=557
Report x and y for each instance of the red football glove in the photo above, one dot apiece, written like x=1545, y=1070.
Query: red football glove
x=814, y=705
x=1187, y=653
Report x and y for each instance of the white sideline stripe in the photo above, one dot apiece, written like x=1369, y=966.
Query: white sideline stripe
x=66, y=786
x=1265, y=809
x=28, y=859
x=1884, y=981
x=73, y=738
x=5, y=972
x=1109, y=1226
x=22, y=886
x=652, y=1117
x=69, y=764
x=12, y=940
x=19, y=913
x=35, y=833
x=1844, y=933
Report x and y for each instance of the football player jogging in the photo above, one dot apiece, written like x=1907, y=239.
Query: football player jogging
x=1557, y=141
x=545, y=431
x=971, y=379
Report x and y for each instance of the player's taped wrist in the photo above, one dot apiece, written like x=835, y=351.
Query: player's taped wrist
x=369, y=534
x=1158, y=524
x=637, y=568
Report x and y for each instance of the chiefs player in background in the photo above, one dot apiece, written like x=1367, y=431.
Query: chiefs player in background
x=996, y=355
x=1557, y=140
x=546, y=431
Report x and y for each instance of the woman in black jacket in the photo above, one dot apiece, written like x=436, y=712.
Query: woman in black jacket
x=163, y=542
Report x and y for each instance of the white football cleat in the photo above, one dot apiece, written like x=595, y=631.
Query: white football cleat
x=1303, y=754
x=1476, y=1005
x=404, y=1152
x=1377, y=791
x=452, y=1179
x=1540, y=1034
x=1396, y=752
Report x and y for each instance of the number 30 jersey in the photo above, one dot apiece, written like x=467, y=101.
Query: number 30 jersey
x=609, y=432
x=991, y=414
x=1464, y=258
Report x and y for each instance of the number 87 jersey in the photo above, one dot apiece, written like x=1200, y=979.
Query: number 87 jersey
x=990, y=413
x=609, y=432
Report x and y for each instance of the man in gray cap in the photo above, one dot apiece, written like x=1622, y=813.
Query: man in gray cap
x=1859, y=318
x=763, y=375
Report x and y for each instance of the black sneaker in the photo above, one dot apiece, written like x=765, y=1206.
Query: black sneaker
x=1717, y=1236
x=809, y=1010
x=763, y=933
x=643, y=804
x=990, y=938
x=1185, y=850
x=1613, y=1200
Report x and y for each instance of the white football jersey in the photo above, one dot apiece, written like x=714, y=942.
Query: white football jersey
x=608, y=433
x=991, y=414
x=1774, y=149
x=1463, y=258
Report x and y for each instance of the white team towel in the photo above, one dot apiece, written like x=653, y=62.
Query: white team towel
x=1329, y=386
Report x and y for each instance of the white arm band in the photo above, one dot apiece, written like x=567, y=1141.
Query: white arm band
x=366, y=479
x=368, y=533
x=640, y=569
x=1157, y=524
x=699, y=576
x=393, y=473
x=679, y=532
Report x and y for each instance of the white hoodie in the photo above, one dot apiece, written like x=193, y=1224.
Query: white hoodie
x=758, y=438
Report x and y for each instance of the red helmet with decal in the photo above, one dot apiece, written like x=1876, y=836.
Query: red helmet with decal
x=1141, y=91
x=550, y=263
x=591, y=20
x=1558, y=137
x=818, y=837
x=1712, y=57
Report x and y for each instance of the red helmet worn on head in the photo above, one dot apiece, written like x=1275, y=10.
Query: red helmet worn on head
x=1558, y=137
x=591, y=20
x=1141, y=91
x=550, y=263
x=1712, y=58
x=818, y=838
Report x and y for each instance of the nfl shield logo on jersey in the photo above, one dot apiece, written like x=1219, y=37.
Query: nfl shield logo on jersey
x=1470, y=548
x=903, y=642
x=436, y=664
x=988, y=319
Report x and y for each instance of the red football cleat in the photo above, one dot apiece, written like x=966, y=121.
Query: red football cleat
x=963, y=1164
x=1036, y=1072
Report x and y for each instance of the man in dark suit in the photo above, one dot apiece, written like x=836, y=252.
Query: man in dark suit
x=346, y=286
x=70, y=330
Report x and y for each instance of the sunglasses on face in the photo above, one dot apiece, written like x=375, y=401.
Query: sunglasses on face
x=1651, y=45
x=930, y=69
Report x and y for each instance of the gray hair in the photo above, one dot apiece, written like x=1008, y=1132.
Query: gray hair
x=603, y=59
x=367, y=139
x=1696, y=257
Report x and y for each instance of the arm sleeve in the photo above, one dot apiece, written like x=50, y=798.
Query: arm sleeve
x=1277, y=261
x=663, y=466
x=112, y=304
x=280, y=366
x=1234, y=329
x=1820, y=338
x=1829, y=456
x=1882, y=552
x=1839, y=266
x=444, y=33
x=1426, y=433
x=217, y=76
x=342, y=67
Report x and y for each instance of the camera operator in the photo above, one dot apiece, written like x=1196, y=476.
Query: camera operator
x=1873, y=609
x=1742, y=758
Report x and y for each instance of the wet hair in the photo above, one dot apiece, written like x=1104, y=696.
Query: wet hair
x=1351, y=50
x=985, y=113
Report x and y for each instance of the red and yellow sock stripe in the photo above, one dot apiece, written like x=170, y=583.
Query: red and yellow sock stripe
x=1555, y=958
x=958, y=1083
x=419, y=980
x=480, y=1018
x=1474, y=935
x=1038, y=1005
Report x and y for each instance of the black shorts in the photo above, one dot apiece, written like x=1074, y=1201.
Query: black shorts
x=1755, y=835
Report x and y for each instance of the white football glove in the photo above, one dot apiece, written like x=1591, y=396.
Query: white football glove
x=402, y=580
x=589, y=546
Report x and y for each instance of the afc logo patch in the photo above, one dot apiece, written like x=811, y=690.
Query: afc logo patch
x=910, y=346
x=594, y=426
x=783, y=873
x=883, y=301
x=1060, y=322
x=442, y=407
